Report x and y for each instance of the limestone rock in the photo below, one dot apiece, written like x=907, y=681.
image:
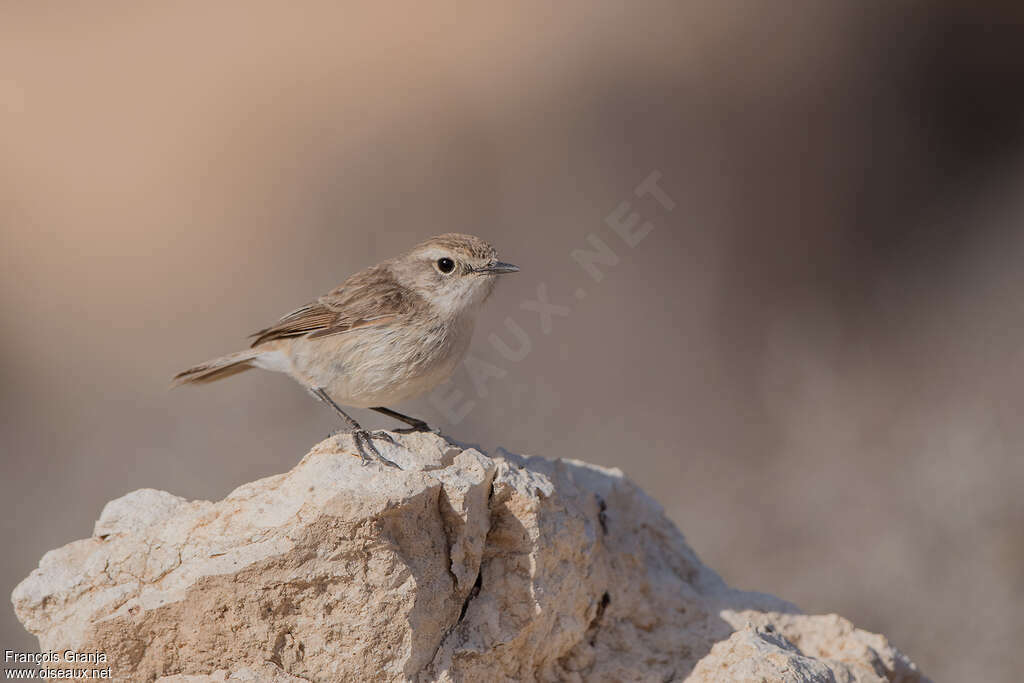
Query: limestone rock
x=458, y=567
x=268, y=673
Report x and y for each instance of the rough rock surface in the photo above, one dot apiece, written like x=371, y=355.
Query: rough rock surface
x=460, y=567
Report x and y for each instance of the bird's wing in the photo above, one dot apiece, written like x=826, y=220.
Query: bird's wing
x=371, y=297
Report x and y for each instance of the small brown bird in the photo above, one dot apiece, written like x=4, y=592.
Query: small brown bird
x=389, y=333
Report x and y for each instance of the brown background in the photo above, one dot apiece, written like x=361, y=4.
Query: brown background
x=813, y=362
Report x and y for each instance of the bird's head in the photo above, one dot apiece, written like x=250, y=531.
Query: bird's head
x=454, y=273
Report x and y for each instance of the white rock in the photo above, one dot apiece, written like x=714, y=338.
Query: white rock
x=458, y=567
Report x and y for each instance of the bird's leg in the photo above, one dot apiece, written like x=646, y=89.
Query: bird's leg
x=362, y=438
x=416, y=425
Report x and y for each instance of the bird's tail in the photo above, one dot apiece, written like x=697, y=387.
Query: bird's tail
x=215, y=369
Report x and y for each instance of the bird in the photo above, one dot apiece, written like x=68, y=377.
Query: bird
x=389, y=333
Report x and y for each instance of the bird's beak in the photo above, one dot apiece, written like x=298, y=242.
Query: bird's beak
x=498, y=267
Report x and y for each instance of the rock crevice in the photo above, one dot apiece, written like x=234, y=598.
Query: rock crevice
x=459, y=567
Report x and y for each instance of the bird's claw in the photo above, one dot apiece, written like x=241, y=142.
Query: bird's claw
x=364, y=443
x=384, y=435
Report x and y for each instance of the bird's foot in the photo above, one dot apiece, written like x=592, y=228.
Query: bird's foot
x=364, y=444
x=365, y=448
x=384, y=435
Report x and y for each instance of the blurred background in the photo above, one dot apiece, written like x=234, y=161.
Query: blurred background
x=813, y=361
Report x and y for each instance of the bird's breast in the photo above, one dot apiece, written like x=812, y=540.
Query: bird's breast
x=379, y=365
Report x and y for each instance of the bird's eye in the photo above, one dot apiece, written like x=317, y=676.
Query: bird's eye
x=445, y=265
